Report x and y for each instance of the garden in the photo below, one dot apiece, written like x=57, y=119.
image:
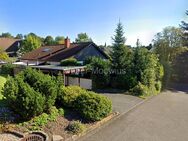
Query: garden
x=38, y=102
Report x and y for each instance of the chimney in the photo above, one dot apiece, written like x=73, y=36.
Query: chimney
x=67, y=42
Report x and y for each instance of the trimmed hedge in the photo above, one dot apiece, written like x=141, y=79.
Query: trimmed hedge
x=93, y=107
x=69, y=62
x=90, y=105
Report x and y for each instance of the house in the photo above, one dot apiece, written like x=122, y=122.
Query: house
x=52, y=55
x=10, y=45
x=55, y=53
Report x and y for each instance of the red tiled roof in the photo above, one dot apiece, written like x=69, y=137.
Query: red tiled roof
x=57, y=53
x=42, y=52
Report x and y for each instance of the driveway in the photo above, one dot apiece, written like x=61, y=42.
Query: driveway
x=162, y=118
x=122, y=103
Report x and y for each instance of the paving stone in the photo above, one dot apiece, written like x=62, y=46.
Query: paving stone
x=57, y=138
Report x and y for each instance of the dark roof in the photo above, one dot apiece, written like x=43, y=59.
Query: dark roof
x=57, y=53
x=9, y=44
x=42, y=52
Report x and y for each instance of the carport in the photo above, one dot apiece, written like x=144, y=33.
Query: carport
x=73, y=75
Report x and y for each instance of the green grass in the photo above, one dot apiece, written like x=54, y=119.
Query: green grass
x=2, y=82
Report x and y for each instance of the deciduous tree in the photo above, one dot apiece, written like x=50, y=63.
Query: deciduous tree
x=83, y=37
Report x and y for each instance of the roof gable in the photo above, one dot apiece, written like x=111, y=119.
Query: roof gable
x=9, y=44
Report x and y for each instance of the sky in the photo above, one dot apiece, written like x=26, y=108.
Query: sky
x=98, y=18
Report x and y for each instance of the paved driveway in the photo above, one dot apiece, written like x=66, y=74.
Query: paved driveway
x=122, y=103
x=162, y=118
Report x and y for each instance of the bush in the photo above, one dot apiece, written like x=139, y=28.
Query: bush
x=31, y=93
x=140, y=90
x=69, y=62
x=23, y=99
x=69, y=95
x=8, y=69
x=61, y=112
x=76, y=127
x=100, y=72
x=93, y=107
x=42, y=83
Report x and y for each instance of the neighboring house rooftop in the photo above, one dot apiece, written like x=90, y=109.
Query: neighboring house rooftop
x=56, y=53
x=9, y=45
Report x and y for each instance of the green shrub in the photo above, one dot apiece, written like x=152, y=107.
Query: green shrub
x=8, y=69
x=76, y=127
x=140, y=90
x=69, y=62
x=53, y=113
x=158, y=86
x=31, y=93
x=42, y=83
x=69, y=95
x=61, y=112
x=100, y=72
x=23, y=99
x=93, y=107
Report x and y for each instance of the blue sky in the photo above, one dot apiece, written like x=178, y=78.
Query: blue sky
x=98, y=18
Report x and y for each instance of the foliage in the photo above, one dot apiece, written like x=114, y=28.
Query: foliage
x=76, y=127
x=184, y=27
x=70, y=94
x=140, y=90
x=40, y=121
x=6, y=35
x=100, y=71
x=83, y=37
x=19, y=36
x=31, y=93
x=24, y=99
x=42, y=83
x=167, y=45
x=119, y=38
x=59, y=40
x=61, y=112
x=2, y=82
x=30, y=43
x=93, y=107
x=49, y=40
x=69, y=62
x=3, y=55
x=8, y=69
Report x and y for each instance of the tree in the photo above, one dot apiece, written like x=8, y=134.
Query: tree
x=83, y=37
x=19, y=36
x=30, y=43
x=166, y=41
x=119, y=38
x=121, y=60
x=167, y=44
x=49, y=40
x=6, y=35
x=184, y=26
x=3, y=55
x=121, y=53
x=59, y=39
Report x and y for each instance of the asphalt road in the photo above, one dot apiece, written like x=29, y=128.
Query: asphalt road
x=162, y=118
